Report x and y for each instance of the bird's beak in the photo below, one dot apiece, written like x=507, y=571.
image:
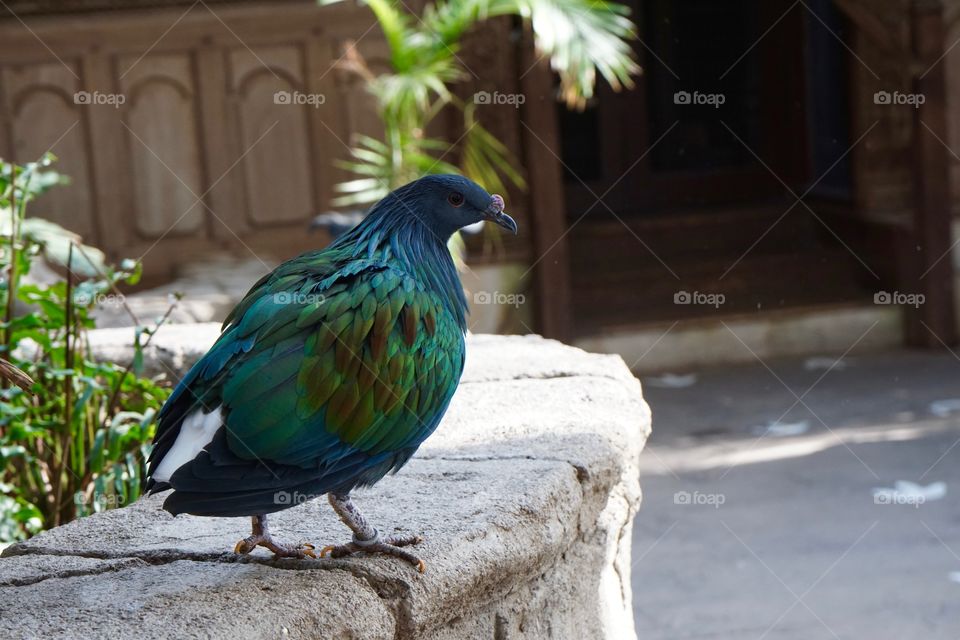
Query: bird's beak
x=494, y=213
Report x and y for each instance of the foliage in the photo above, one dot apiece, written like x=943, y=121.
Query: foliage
x=74, y=441
x=580, y=38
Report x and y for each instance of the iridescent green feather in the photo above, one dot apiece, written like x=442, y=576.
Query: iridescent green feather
x=366, y=374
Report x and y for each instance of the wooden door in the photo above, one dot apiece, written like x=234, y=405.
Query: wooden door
x=670, y=193
x=711, y=99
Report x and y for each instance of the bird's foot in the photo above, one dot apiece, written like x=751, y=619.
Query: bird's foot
x=280, y=550
x=391, y=546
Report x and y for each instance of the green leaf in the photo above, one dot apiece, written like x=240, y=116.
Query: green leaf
x=104, y=453
x=581, y=38
x=97, y=452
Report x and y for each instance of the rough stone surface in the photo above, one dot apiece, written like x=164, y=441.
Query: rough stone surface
x=525, y=496
x=172, y=351
x=208, y=290
x=175, y=348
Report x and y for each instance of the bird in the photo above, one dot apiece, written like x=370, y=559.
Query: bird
x=329, y=374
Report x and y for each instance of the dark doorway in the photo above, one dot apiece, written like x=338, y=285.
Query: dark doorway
x=741, y=104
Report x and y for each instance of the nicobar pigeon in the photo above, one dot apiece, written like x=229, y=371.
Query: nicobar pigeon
x=329, y=374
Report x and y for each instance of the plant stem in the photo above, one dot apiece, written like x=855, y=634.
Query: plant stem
x=12, y=279
x=67, y=392
x=115, y=396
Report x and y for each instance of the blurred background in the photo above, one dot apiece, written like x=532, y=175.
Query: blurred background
x=754, y=202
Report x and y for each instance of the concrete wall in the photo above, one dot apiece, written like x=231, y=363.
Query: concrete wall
x=525, y=497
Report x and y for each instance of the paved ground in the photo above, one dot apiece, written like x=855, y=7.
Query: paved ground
x=780, y=536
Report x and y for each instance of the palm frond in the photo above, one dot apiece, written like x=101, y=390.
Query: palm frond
x=581, y=37
x=404, y=95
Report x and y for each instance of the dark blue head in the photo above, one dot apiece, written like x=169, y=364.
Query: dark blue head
x=412, y=225
x=446, y=203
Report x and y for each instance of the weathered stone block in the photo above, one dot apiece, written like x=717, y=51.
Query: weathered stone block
x=525, y=496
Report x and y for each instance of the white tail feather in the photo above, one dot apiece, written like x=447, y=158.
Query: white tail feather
x=196, y=432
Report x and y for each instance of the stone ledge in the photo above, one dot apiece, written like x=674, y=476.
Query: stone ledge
x=176, y=347
x=525, y=497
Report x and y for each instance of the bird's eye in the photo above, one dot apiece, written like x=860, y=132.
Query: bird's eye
x=455, y=198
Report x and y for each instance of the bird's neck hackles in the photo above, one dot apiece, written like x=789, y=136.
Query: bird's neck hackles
x=398, y=234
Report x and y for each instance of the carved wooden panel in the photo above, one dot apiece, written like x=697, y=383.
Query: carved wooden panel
x=200, y=117
x=160, y=118
x=272, y=104
x=44, y=116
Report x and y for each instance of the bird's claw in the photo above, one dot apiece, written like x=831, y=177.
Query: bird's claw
x=391, y=546
x=300, y=551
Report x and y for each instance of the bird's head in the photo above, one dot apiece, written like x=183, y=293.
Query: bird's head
x=447, y=203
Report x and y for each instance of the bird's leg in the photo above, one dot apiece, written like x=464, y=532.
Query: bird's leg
x=366, y=538
x=261, y=538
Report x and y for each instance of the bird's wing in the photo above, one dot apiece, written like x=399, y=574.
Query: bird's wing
x=319, y=378
x=364, y=362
